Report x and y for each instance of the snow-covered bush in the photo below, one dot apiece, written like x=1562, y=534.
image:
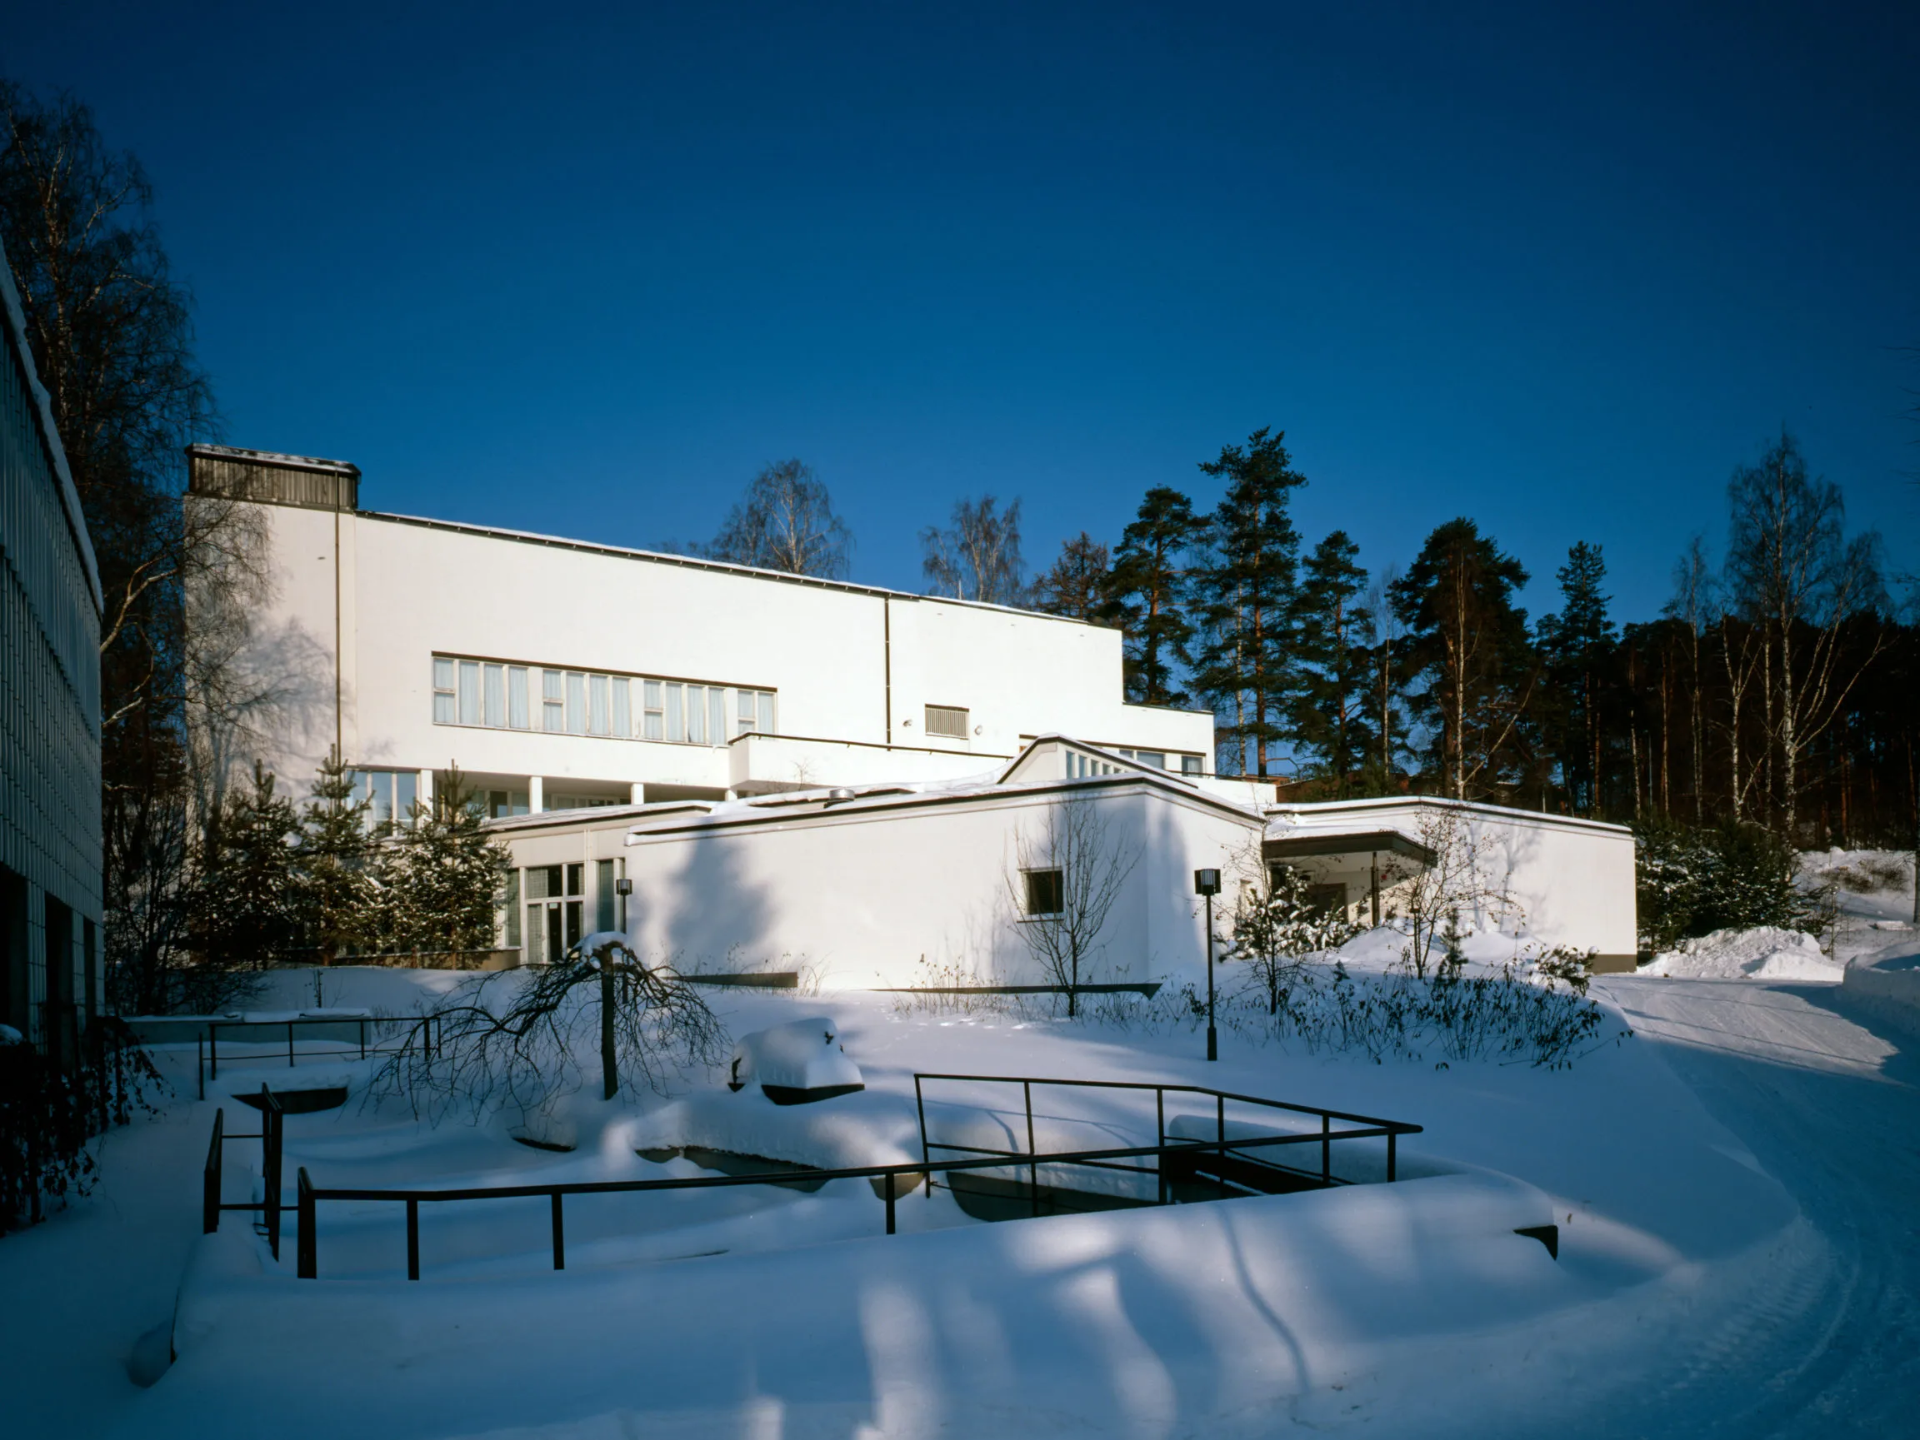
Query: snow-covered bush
x=1692, y=881
x=1278, y=927
x=1535, y=1012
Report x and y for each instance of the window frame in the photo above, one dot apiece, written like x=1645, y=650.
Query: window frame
x=1032, y=882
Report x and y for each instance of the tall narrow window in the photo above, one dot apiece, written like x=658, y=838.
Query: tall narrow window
x=697, y=714
x=656, y=726
x=603, y=895
x=747, y=712
x=406, y=789
x=513, y=909
x=622, y=707
x=443, y=701
x=765, y=705
x=716, y=716
x=517, y=697
x=676, y=714
x=599, y=718
x=496, y=695
x=553, y=704
x=469, y=692
x=576, y=703
x=380, y=787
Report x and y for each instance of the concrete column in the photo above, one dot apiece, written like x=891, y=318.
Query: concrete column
x=536, y=795
x=637, y=793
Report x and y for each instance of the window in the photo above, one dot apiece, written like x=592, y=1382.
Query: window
x=513, y=910
x=576, y=703
x=469, y=692
x=388, y=795
x=517, y=697
x=1046, y=892
x=1189, y=764
x=755, y=711
x=599, y=716
x=948, y=720
x=503, y=803
x=1155, y=758
x=502, y=696
x=1328, y=899
x=554, y=911
x=603, y=895
x=696, y=714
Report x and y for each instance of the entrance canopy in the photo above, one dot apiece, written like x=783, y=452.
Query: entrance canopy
x=1345, y=844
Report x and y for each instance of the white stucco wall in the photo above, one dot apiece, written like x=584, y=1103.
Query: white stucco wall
x=1571, y=881
x=848, y=664
x=860, y=893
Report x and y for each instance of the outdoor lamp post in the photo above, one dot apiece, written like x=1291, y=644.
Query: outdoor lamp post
x=1207, y=883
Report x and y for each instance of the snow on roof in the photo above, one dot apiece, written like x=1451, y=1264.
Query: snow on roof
x=1401, y=812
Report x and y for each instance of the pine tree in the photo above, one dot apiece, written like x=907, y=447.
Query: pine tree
x=335, y=853
x=1332, y=710
x=442, y=877
x=1076, y=586
x=243, y=911
x=1149, y=595
x=1577, y=646
x=1467, y=647
x=1244, y=591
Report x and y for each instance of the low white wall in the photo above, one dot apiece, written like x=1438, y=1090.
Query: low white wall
x=862, y=896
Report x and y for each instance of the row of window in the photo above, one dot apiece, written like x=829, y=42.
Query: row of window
x=1080, y=767
x=581, y=702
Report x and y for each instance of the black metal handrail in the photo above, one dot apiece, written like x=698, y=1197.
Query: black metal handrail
x=308, y=1195
x=1375, y=1125
x=432, y=1025
x=272, y=1138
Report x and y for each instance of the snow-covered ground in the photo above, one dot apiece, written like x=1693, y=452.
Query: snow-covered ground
x=1733, y=1186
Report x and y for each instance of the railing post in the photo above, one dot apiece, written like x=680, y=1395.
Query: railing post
x=1033, y=1171
x=1160, y=1141
x=1392, y=1136
x=363, y=1038
x=413, y=1239
x=1220, y=1137
x=307, y=1266
x=1326, y=1150
x=289, y=1044
x=210, y=1177
x=213, y=1050
x=559, y=1235
x=889, y=1202
x=271, y=1121
x=200, y=1062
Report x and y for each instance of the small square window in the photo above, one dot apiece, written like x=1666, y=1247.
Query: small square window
x=1046, y=892
x=1189, y=764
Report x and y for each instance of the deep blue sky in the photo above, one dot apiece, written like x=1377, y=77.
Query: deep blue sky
x=584, y=273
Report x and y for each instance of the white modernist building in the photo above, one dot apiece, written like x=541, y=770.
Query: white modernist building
x=743, y=769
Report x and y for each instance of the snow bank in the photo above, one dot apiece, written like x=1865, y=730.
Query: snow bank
x=1887, y=983
x=1764, y=952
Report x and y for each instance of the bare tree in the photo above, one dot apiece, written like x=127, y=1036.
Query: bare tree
x=977, y=557
x=785, y=523
x=1063, y=883
x=513, y=1039
x=1791, y=572
x=1432, y=899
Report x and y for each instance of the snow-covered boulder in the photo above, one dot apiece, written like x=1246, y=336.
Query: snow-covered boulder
x=795, y=1063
